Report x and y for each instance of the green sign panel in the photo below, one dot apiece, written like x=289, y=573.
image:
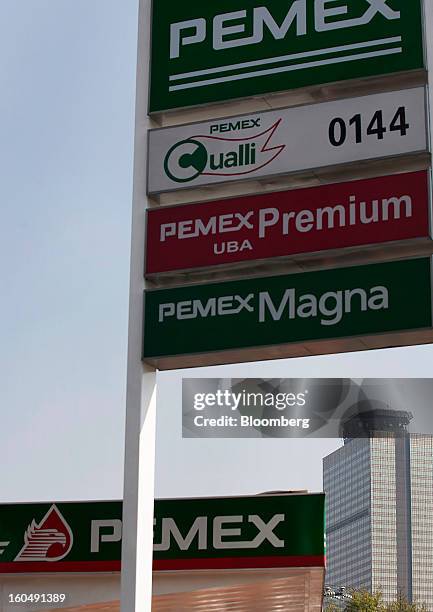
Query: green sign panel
x=60, y=537
x=204, y=52
x=355, y=301
x=238, y=532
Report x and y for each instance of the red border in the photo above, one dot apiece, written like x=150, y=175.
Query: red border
x=47, y=567
x=239, y=563
x=160, y=565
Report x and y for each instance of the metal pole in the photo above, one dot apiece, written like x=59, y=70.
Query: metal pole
x=137, y=540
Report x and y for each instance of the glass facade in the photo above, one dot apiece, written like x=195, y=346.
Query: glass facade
x=421, y=473
x=379, y=505
x=347, y=488
x=383, y=517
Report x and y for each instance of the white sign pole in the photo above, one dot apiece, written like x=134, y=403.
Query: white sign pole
x=137, y=541
x=428, y=37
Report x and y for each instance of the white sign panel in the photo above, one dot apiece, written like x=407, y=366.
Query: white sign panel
x=287, y=140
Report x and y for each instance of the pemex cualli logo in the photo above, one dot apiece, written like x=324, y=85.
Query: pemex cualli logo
x=212, y=155
x=49, y=540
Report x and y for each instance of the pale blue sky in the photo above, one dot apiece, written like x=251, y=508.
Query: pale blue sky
x=67, y=79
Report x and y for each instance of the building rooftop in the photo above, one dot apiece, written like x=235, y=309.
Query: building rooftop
x=369, y=422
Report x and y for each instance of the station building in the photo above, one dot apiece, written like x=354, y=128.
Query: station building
x=263, y=553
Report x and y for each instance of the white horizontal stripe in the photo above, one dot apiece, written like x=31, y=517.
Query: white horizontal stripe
x=32, y=549
x=41, y=540
x=250, y=75
x=45, y=538
x=284, y=58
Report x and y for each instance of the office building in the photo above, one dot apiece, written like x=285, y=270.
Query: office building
x=379, y=504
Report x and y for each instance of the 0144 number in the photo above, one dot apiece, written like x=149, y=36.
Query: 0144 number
x=359, y=129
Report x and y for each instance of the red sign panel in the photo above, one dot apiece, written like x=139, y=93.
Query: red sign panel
x=287, y=223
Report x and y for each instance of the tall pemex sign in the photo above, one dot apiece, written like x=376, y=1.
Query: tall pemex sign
x=205, y=52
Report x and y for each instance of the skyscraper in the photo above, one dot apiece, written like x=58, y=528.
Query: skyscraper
x=379, y=504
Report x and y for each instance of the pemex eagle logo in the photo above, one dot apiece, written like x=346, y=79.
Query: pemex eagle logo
x=50, y=540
